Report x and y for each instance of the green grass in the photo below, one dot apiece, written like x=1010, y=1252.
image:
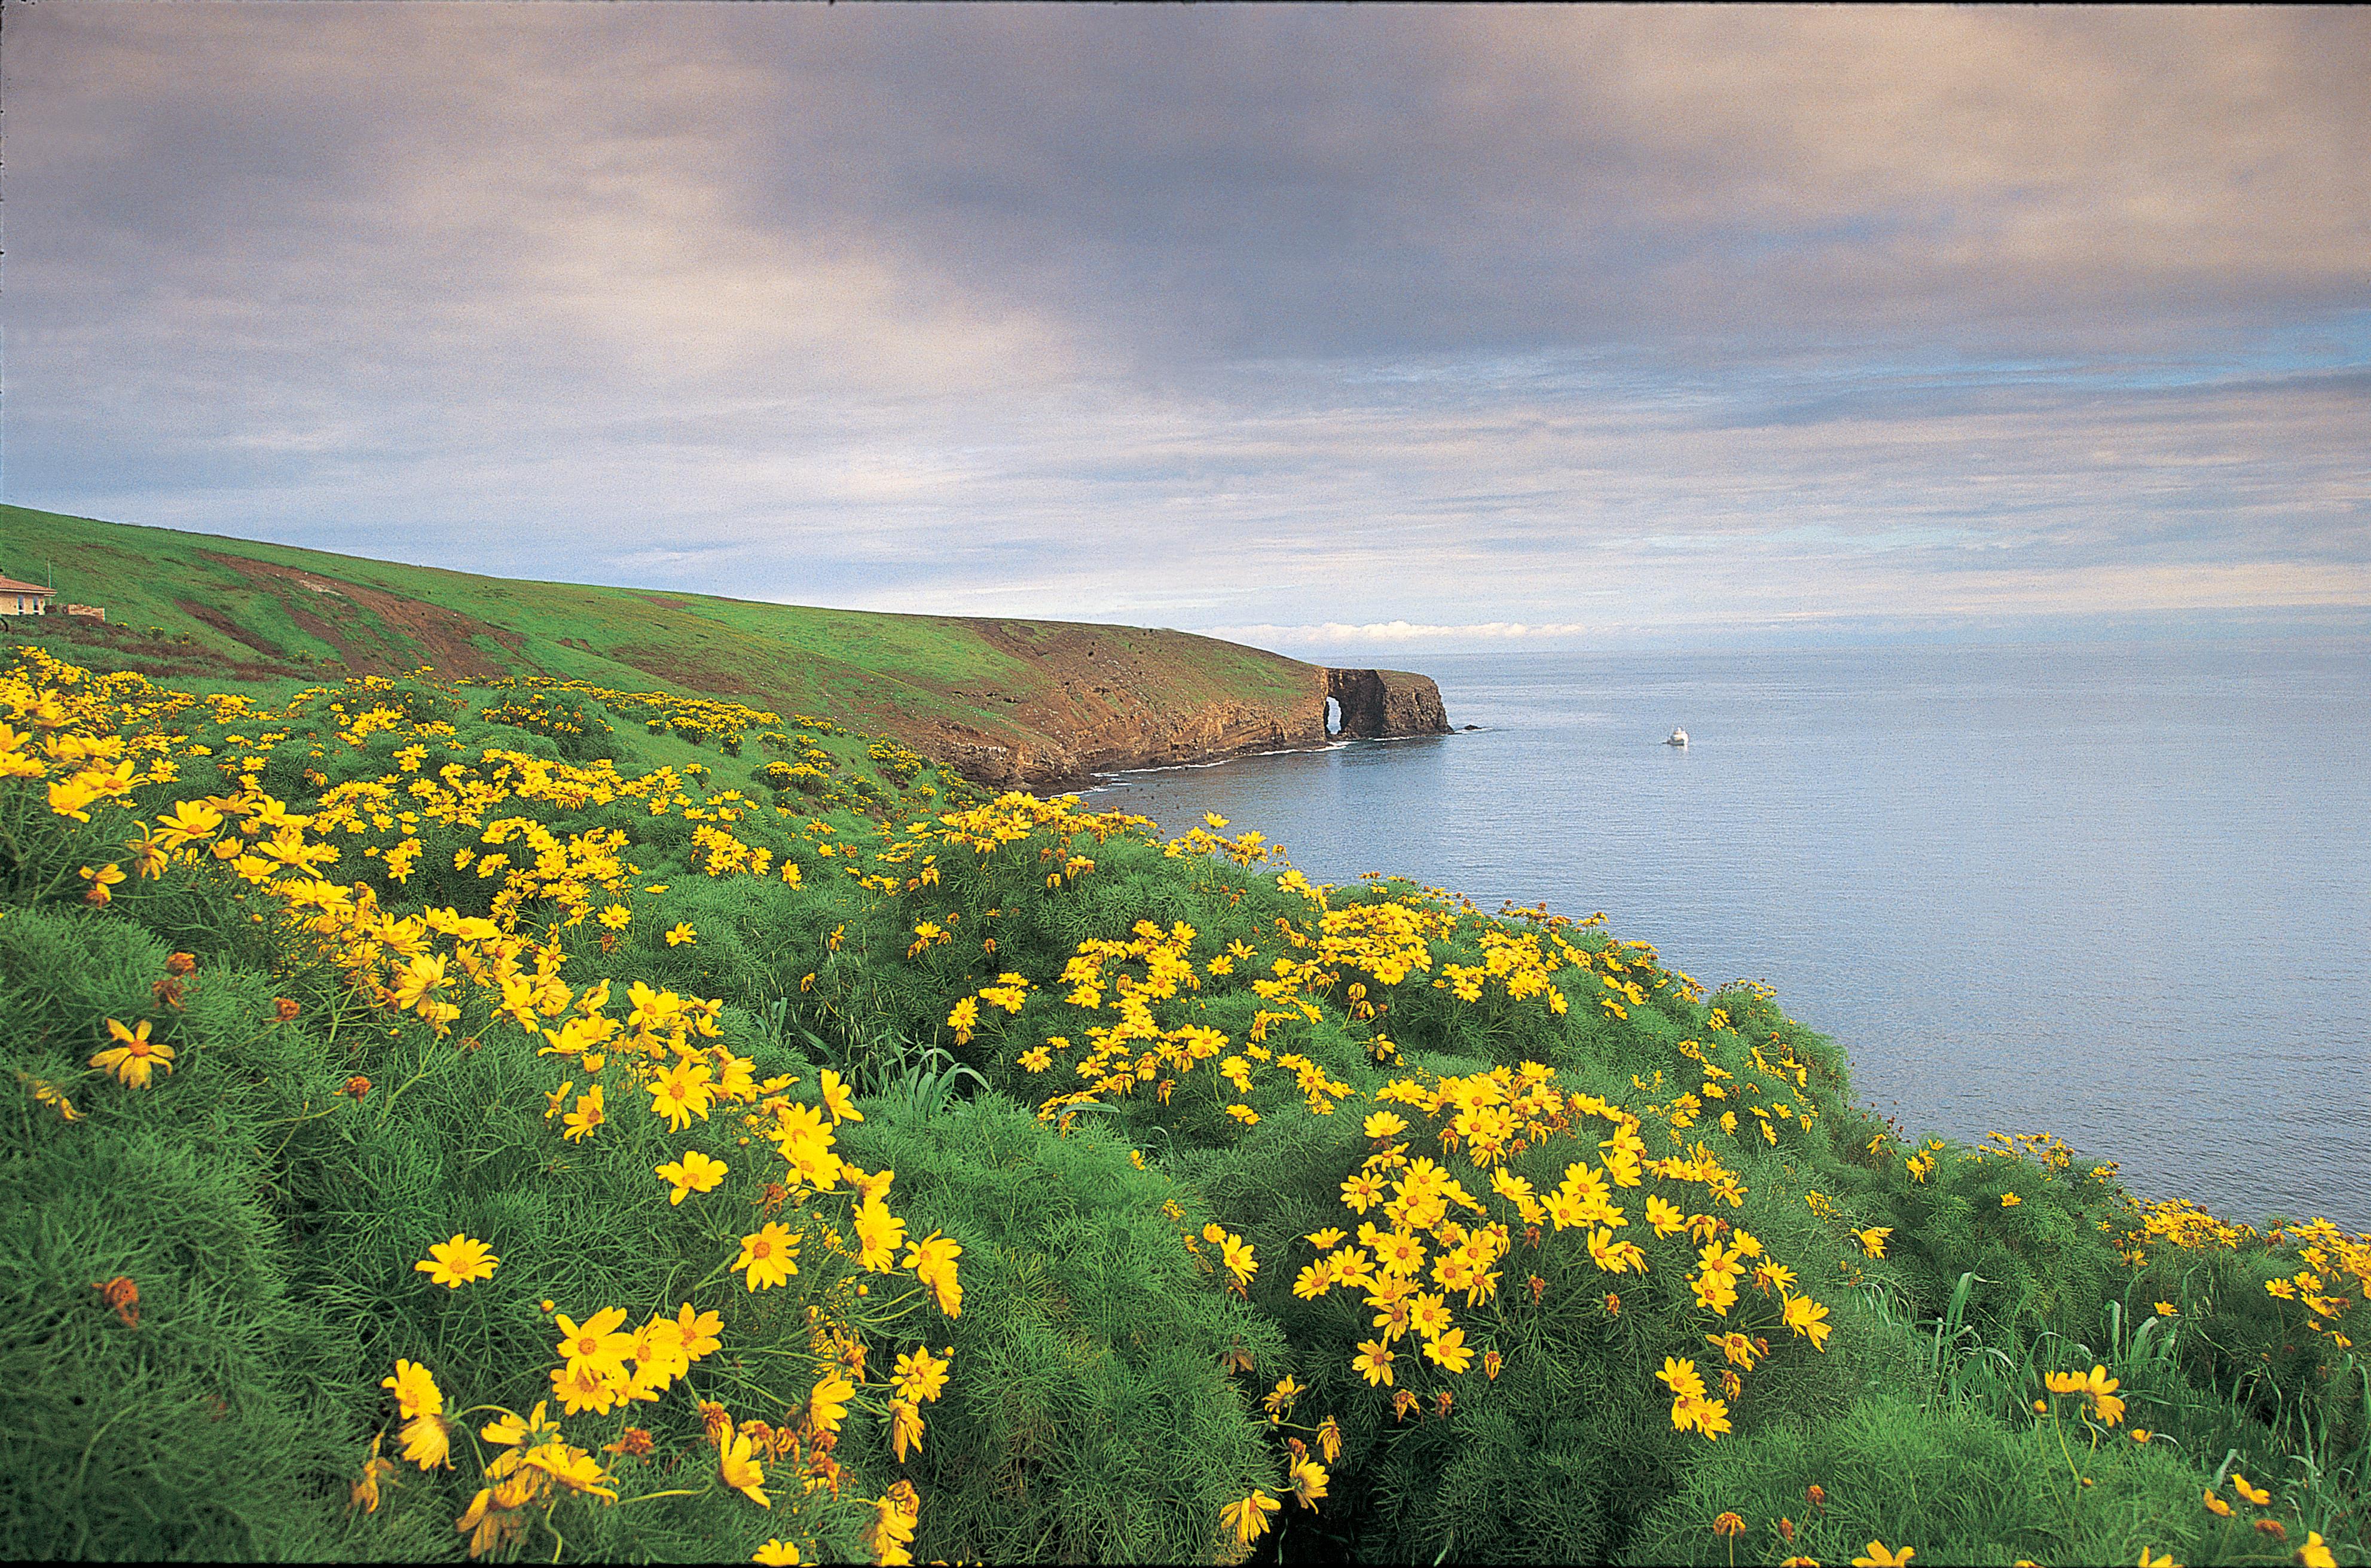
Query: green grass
x=897, y=675
x=1109, y=1393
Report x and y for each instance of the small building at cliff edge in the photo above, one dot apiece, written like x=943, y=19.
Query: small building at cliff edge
x=23, y=598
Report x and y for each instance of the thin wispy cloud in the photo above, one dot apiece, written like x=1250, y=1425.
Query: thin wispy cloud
x=1334, y=634
x=1632, y=323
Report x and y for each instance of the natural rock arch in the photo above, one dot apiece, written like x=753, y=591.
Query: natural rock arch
x=1379, y=703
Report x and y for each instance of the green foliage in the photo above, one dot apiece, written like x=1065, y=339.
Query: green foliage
x=1108, y=1379
x=576, y=723
x=1089, y=1417
x=208, y=1427
x=299, y=610
x=1953, y=1484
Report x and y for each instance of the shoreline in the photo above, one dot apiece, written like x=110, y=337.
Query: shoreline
x=1114, y=779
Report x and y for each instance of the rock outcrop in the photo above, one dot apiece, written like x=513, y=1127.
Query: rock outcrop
x=1377, y=704
x=1127, y=717
x=1126, y=734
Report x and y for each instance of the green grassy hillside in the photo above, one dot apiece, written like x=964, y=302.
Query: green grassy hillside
x=447, y=1119
x=199, y=604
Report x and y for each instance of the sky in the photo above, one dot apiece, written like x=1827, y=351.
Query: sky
x=1324, y=329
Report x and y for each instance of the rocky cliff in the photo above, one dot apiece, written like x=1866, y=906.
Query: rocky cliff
x=1129, y=716
x=1010, y=703
x=1377, y=704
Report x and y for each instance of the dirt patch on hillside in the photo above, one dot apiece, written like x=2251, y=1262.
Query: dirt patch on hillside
x=102, y=646
x=675, y=667
x=230, y=628
x=429, y=634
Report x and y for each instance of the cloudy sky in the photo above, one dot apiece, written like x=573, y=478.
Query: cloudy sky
x=1316, y=328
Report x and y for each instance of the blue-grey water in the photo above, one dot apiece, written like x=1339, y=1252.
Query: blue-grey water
x=2119, y=893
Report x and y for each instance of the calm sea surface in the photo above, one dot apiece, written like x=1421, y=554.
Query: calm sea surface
x=2120, y=892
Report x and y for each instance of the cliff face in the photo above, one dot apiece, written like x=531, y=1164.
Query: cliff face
x=1377, y=704
x=1010, y=703
x=1128, y=732
x=1110, y=725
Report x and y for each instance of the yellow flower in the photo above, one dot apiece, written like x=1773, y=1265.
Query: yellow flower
x=1248, y=1518
x=415, y=1390
x=2011, y=1200
x=695, y=1172
x=588, y=1388
x=741, y=1470
x=366, y=1490
x=2099, y=1388
x=456, y=1262
x=135, y=1056
x=428, y=1441
x=1872, y=1240
x=777, y=1553
x=1386, y=1124
x=920, y=1376
x=2314, y=1554
x=2166, y=1309
x=827, y=1403
x=189, y=821
x=1734, y=1346
x=932, y=1259
x=1373, y=1363
x=1237, y=1255
x=697, y=1332
x=2147, y=1560
x=1708, y=1416
x=658, y=1354
x=1879, y=1558
x=1808, y=1318
x=879, y=1234
x=2255, y=1494
x=770, y=1255
x=890, y=1535
x=839, y=1100
x=595, y=1344
x=2216, y=1505
x=417, y=984
x=681, y=1092
x=905, y=1428
x=1679, y=1375
x=1451, y=1351
x=101, y=880
x=48, y=1093
x=681, y=934
x=1309, y=1478
x=587, y=1115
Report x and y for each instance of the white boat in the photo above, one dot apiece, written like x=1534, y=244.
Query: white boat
x=1679, y=738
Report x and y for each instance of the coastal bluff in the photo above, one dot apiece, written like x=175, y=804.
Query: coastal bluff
x=1011, y=704
x=1113, y=703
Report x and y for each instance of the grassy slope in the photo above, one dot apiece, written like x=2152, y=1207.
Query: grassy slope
x=906, y=676
x=273, y=1222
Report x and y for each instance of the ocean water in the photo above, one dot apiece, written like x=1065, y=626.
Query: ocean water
x=2118, y=892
